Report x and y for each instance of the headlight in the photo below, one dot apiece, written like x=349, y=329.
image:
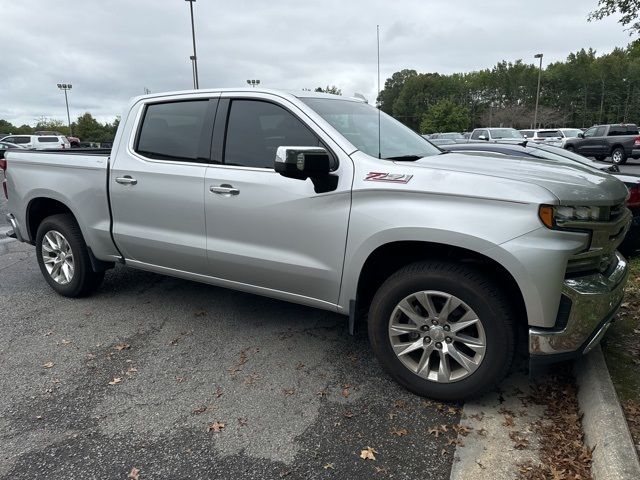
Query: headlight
x=551, y=215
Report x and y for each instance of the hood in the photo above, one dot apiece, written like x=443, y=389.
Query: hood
x=571, y=183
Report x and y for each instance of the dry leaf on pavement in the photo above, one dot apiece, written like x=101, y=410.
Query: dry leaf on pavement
x=399, y=432
x=122, y=346
x=215, y=427
x=134, y=474
x=368, y=453
x=115, y=381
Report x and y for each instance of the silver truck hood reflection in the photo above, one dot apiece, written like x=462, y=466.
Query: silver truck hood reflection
x=571, y=183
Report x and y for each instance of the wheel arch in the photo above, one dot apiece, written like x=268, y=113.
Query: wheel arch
x=389, y=257
x=40, y=208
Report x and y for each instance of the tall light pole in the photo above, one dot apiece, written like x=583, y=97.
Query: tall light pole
x=253, y=83
x=65, y=87
x=194, y=57
x=535, y=115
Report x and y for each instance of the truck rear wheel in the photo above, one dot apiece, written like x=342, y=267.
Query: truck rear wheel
x=619, y=156
x=442, y=330
x=63, y=257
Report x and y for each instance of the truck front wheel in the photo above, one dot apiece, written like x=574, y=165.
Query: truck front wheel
x=619, y=156
x=443, y=330
x=63, y=257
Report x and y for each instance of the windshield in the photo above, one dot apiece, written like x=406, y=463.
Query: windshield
x=571, y=132
x=358, y=123
x=497, y=133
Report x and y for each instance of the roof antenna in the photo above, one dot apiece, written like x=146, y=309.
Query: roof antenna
x=378, y=99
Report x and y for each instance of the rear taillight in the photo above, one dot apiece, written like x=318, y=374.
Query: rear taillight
x=3, y=164
x=3, y=167
x=636, y=142
x=634, y=197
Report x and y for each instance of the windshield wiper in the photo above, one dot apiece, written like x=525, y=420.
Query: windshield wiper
x=405, y=158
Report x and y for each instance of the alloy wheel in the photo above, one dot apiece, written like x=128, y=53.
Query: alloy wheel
x=437, y=336
x=57, y=257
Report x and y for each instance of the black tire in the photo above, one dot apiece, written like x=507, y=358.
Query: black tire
x=570, y=148
x=600, y=158
x=474, y=288
x=83, y=280
x=619, y=156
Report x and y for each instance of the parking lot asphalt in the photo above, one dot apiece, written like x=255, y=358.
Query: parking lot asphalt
x=183, y=380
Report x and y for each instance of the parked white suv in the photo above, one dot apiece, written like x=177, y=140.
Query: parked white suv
x=39, y=142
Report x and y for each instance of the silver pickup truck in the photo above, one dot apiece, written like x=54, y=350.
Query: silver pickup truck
x=325, y=201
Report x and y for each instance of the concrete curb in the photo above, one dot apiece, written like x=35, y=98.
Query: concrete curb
x=604, y=424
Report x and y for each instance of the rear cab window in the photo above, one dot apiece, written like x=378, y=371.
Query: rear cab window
x=178, y=130
x=617, y=130
x=48, y=139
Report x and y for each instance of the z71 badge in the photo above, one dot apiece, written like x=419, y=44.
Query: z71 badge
x=388, y=177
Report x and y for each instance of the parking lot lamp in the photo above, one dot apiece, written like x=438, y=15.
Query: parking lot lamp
x=535, y=115
x=65, y=87
x=253, y=83
x=194, y=57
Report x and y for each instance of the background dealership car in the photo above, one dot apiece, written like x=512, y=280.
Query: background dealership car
x=532, y=150
x=493, y=134
x=39, y=142
x=455, y=136
x=618, y=141
x=550, y=136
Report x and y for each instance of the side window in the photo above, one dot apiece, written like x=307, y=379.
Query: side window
x=590, y=133
x=22, y=140
x=173, y=131
x=600, y=132
x=475, y=135
x=9, y=139
x=256, y=129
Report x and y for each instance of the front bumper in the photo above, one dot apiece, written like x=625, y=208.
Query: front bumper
x=594, y=301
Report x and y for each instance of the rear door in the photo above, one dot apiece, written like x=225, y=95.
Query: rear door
x=267, y=233
x=156, y=184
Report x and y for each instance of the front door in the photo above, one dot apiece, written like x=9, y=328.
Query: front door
x=267, y=233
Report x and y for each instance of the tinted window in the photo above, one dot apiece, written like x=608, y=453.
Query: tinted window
x=549, y=134
x=47, y=139
x=600, y=132
x=616, y=130
x=590, y=133
x=476, y=134
x=256, y=129
x=172, y=131
x=19, y=140
x=497, y=133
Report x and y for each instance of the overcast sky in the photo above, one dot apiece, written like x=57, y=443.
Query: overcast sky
x=110, y=50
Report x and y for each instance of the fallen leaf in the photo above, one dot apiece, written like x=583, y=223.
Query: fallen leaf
x=218, y=392
x=48, y=365
x=200, y=409
x=134, y=474
x=215, y=427
x=242, y=422
x=131, y=370
x=328, y=466
x=289, y=391
x=399, y=432
x=299, y=366
x=180, y=379
x=122, y=346
x=508, y=421
x=115, y=381
x=462, y=430
x=368, y=453
x=348, y=414
x=65, y=342
x=380, y=470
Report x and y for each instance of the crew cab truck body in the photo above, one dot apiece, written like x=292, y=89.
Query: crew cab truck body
x=296, y=197
x=619, y=142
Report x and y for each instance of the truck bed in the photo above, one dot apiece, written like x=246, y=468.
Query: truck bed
x=77, y=178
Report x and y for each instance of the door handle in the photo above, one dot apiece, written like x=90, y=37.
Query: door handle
x=126, y=180
x=224, y=189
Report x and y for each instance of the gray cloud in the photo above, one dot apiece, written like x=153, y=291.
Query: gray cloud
x=111, y=50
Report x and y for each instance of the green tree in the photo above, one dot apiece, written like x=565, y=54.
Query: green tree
x=329, y=89
x=445, y=116
x=392, y=88
x=629, y=9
